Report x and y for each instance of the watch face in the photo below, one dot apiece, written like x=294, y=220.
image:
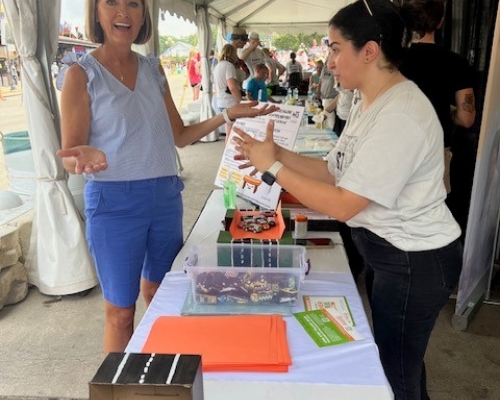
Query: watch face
x=268, y=178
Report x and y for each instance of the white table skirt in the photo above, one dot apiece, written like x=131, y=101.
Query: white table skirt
x=348, y=371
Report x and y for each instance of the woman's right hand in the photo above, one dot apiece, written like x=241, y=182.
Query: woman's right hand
x=87, y=159
x=260, y=154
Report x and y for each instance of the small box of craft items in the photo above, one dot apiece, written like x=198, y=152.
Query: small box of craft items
x=132, y=376
x=230, y=214
x=246, y=273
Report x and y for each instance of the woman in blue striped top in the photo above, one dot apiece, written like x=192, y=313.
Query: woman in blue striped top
x=120, y=128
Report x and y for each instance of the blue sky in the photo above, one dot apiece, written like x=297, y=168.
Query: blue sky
x=72, y=11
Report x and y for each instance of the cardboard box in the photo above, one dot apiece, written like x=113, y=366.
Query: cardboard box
x=132, y=376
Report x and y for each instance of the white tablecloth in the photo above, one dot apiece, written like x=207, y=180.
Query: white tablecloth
x=349, y=371
x=315, y=142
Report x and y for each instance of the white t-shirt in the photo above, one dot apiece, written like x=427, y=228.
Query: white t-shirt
x=344, y=103
x=222, y=72
x=392, y=154
x=257, y=56
x=273, y=66
x=293, y=67
x=327, y=80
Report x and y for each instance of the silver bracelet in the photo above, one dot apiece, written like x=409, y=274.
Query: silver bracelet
x=226, y=117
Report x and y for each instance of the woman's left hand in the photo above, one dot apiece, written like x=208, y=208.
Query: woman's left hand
x=260, y=154
x=247, y=109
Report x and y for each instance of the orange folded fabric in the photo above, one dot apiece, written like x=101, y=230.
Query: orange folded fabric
x=249, y=343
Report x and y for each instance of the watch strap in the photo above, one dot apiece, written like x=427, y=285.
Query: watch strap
x=274, y=169
x=226, y=117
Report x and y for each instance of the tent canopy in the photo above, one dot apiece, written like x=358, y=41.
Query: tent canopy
x=263, y=16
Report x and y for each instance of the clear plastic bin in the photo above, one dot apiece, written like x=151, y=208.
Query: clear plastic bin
x=251, y=274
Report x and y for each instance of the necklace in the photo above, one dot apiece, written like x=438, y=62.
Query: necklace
x=119, y=76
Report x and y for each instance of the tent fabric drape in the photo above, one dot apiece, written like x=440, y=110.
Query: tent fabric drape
x=205, y=44
x=221, y=35
x=263, y=16
x=58, y=262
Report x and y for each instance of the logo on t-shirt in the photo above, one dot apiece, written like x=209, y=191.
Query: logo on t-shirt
x=344, y=153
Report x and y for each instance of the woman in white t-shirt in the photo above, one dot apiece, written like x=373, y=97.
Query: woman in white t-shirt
x=293, y=72
x=385, y=179
x=225, y=80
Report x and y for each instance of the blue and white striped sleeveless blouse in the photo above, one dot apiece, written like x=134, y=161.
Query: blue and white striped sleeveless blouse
x=131, y=127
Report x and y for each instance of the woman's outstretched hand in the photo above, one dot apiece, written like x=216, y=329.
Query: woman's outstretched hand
x=247, y=109
x=259, y=154
x=88, y=159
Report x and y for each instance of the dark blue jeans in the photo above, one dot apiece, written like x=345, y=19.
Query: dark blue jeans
x=406, y=291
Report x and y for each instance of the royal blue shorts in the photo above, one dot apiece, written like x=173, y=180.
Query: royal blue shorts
x=134, y=230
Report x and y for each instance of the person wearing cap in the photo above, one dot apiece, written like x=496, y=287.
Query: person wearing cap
x=252, y=55
x=239, y=38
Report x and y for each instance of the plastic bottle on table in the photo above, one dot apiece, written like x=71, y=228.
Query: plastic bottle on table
x=305, y=118
x=300, y=231
x=229, y=192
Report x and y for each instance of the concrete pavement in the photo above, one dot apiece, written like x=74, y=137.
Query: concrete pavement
x=6, y=91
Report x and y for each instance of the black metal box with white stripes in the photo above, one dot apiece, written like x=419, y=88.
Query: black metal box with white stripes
x=133, y=376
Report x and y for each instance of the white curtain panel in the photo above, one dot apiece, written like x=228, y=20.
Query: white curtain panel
x=58, y=262
x=205, y=44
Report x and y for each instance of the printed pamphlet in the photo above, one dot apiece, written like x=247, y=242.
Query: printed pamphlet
x=325, y=329
x=249, y=184
x=338, y=303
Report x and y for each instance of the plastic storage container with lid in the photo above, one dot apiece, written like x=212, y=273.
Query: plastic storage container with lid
x=256, y=274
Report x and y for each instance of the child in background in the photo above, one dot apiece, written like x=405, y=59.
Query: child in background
x=257, y=88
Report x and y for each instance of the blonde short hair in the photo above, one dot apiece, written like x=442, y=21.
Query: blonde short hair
x=94, y=30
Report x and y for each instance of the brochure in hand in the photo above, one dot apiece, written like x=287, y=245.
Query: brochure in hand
x=249, y=184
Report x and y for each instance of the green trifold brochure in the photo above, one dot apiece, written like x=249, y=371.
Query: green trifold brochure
x=325, y=329
x=339, y=303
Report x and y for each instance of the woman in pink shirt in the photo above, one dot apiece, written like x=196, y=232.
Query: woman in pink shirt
x=194, y=74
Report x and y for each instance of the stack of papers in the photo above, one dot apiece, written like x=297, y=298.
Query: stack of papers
x=243, y=343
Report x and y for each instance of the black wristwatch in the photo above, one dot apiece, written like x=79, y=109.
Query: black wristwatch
x=269, y=176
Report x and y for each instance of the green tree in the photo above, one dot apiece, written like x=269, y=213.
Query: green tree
x=168, y=41
x=165, y=42
x=294, y=42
